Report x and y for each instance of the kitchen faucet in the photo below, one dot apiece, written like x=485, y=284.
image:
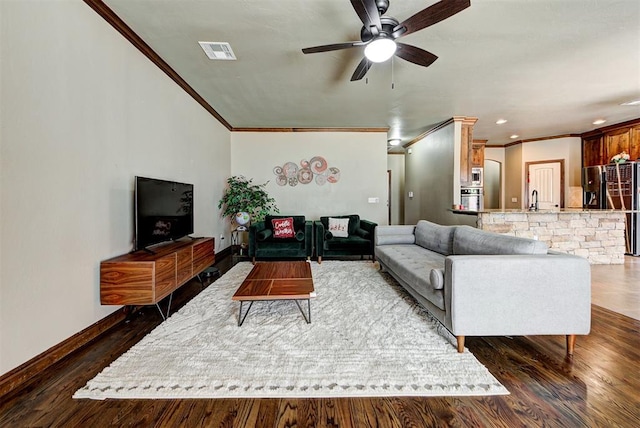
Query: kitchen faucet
x=534, y=198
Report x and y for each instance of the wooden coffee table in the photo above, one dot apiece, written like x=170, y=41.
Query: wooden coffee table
x=277, y=281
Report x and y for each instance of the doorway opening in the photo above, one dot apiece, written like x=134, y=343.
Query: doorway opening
x=547, y=178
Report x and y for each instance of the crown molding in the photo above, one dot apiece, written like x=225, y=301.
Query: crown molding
x=466, y=120
x=309, y=129
x=609, y=128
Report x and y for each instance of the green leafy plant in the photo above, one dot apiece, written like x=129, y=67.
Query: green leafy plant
x=242, y=195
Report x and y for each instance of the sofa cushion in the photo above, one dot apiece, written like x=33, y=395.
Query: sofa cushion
x=283, y=227
x=363, y=234
x=353, y=243
x=436, y=278
x=469, y=240
x=399, y=239
x=354, y=222
x=339, y=227
x=298, y=221
x=435, y=237
x=264, y=234
x=413, y=265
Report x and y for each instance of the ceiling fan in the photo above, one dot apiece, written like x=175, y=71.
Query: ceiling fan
x=379, y=33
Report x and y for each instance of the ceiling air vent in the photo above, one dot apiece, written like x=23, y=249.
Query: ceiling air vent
x=218, y=50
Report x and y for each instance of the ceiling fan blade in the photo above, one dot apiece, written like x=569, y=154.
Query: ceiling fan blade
x=361, y=69
x=429, y=16
x=333, y=47
x=415, y=55
x=368, y=13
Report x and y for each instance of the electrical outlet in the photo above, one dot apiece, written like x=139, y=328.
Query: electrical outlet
x=514, y=199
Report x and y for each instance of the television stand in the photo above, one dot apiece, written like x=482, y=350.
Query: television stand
x=164, y=317
x=143, y=278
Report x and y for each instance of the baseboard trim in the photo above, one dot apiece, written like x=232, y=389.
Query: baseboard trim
x=27, y=372
x=24, y=374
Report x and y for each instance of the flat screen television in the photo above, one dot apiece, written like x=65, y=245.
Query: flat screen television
x=163, y=211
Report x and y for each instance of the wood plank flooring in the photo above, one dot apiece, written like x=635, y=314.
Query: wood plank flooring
x=600, y=387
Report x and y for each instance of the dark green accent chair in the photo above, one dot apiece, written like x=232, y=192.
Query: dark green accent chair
x=359, y=242
x=263, y=245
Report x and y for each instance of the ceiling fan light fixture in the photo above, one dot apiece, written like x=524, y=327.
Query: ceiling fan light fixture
x=380, y=50
x=394, y=142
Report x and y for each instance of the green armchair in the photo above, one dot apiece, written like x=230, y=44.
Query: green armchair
x=359, y=239
x=264, y=244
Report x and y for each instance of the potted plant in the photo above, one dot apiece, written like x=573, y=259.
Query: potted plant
x=243, y=199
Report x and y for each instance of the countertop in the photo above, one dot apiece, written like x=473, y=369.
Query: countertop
x=526, y=211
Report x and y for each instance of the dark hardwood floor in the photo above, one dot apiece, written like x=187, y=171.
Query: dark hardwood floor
x=600, y=387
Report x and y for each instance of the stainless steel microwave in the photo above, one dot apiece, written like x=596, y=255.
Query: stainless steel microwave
x=476, y=177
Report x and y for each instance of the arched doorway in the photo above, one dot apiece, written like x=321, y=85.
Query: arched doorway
x=492, y=184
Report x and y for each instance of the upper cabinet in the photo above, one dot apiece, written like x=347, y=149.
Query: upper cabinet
x=592, y=153
x=467, y=149
x=600, y=145
x=477, y=153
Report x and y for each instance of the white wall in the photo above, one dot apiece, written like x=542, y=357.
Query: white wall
x=82, y=112
x=360, y=156
x=432, y=173
x=568, y=149
x=515, y=157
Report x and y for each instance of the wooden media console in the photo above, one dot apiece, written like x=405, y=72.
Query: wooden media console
x=145, y=278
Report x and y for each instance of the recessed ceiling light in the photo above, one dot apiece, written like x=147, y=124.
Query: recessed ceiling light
x=394, y=141
x=599, y=121
x=631, y=103
x=501, y=121
x=514, y=136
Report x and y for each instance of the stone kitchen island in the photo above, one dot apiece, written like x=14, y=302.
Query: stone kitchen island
x=597, y=235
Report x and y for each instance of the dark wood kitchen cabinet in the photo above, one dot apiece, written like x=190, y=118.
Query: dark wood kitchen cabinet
x=600, y=145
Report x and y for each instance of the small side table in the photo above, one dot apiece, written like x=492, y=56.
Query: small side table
x=235, y=236
x=237, y=242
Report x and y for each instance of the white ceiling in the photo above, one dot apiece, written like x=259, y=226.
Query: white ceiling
x=550, y=67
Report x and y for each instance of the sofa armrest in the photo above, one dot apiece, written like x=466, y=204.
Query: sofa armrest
x=308, y=237
x=517, y=294
x=369, y=226
x=253, y=236
x=318, y=230
x=391, y=235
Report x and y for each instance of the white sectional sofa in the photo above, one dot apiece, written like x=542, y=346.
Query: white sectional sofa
x=479, y=283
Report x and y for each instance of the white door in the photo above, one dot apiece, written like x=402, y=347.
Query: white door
x=545, y=178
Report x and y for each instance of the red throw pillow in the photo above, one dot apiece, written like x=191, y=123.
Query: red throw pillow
x=283, y=227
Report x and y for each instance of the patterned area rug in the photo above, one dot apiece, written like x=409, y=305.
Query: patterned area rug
x=368, y=337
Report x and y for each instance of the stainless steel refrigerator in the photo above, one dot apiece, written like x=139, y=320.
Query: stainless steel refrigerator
x=622, y=182
x=593, y=187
